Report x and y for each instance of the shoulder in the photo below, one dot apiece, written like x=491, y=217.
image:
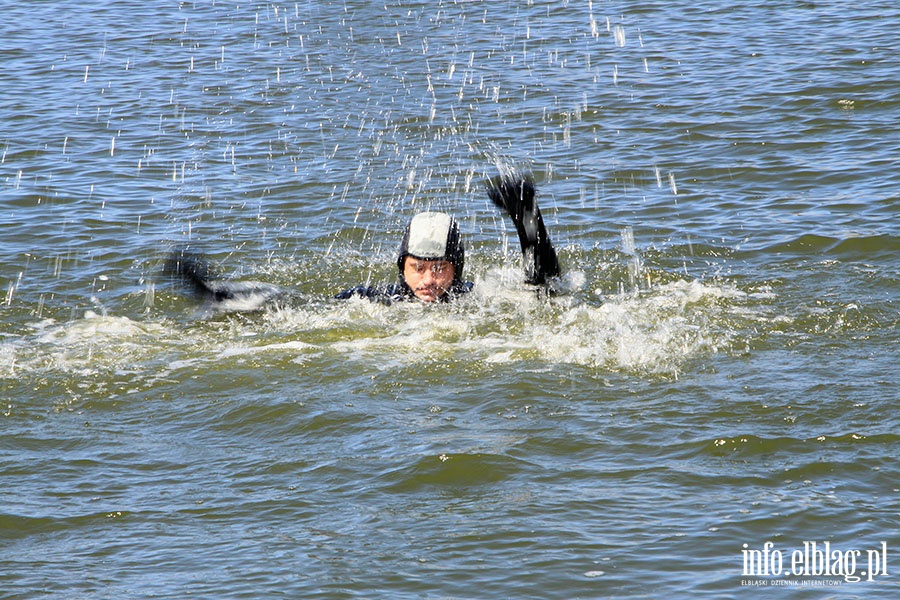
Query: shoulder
x=462, y=287
x=459, y=288
x=386, y=293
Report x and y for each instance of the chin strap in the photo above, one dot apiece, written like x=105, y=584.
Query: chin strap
x=514, y=192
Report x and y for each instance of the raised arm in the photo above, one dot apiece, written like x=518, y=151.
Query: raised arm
x=514, y=192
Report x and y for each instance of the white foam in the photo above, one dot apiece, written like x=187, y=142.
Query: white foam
x=654, y=331
x=294, y=346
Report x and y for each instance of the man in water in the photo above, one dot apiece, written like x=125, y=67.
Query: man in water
x=429, y=264
x=431, y=257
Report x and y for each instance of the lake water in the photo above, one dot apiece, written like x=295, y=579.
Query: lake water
x=710, y=409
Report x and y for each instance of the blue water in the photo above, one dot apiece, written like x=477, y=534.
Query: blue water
x=718, y=373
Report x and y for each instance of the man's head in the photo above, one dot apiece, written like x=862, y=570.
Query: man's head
x=431, y=256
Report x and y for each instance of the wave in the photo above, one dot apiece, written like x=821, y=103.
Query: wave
x=456, y=471
x=862, y=247
x=13, y=526
x=749, y=444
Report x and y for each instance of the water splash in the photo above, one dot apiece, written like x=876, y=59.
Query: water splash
x=634, y=259
x=656, y=332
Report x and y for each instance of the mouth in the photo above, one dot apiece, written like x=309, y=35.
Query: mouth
x=429, y=294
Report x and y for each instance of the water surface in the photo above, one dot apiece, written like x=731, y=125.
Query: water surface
x=720, y=371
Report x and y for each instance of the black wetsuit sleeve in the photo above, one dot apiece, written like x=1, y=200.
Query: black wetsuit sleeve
x=196, y=273
x=515, y=193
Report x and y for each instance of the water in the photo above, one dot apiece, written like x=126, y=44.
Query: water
x=720, y=182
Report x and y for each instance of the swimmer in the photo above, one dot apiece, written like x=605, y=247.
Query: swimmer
x=429, y=263
x=430, y=260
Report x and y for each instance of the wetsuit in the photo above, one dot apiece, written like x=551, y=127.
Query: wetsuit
x=398, y=292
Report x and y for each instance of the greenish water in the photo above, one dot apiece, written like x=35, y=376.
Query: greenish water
x=720, y=372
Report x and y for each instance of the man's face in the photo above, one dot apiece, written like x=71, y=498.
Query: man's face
x=428, y=279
